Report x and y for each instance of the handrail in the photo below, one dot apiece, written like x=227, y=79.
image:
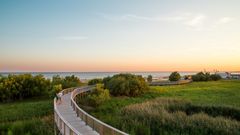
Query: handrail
x=97, y=125
x=59, y=118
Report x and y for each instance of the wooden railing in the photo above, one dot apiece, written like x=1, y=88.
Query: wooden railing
x=63, y=126
x=97, y=125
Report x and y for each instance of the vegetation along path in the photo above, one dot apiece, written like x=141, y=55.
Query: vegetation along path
x=71, y=121
x=67, y=113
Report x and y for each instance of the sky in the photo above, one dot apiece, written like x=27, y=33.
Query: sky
x=119, y=35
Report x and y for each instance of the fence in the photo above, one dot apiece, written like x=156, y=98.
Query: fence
x=97, y=125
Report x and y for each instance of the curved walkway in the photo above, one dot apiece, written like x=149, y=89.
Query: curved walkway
x=66, y=111
x=72, y=120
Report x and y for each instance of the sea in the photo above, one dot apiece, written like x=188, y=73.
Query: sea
x=92, y=75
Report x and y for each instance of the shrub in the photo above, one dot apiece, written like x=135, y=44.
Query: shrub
x=66, y=82
x=175, y=76
x=126, y=85
x=215, y=77
x=95, y=81
x=15, y=87
x=55, y=89
x=18, y=87
x=96, y=97
x=201, y=76
x=149, y=78
x=187, y=77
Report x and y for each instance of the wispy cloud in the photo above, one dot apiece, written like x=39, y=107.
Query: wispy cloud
x=196, y=22
x=132, y=17
x=190, y=20
x=225, y=20
x=72, y=38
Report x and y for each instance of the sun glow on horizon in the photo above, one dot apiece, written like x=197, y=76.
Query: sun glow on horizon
x=114, y=36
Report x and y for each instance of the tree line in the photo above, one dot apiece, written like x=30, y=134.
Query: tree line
x=23, y=86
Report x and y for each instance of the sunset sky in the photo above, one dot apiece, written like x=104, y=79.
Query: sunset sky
x=119, y=35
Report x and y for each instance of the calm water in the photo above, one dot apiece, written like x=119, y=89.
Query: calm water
x=91, y=75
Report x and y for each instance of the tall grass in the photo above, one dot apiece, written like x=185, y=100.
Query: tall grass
x=25, y=110
x=35, y=126
x=154, y=117
x=29, y=117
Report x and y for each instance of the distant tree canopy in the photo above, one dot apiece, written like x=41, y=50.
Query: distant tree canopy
x=206, y=76
x=175, y=76
x=125, y=85
x=149, y=78
x=17, y=87
x=95, y=81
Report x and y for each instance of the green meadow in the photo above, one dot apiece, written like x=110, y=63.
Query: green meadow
x=27, y=117
x=213, y=102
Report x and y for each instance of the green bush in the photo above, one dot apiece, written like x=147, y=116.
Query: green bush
x=125, y=85
x=215, y=77
x=206, y=76
x=96, y=97
x=149, y=78
x=175, y=76
x=95, y=81
x=23, y=86
x=15, y=87
x=201, y=76
x=55, y=89
x=66, y=82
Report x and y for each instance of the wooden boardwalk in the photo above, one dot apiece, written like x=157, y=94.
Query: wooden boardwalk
x=67, y=113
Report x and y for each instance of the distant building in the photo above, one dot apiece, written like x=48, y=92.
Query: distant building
x=235, y=75
x=224, y=75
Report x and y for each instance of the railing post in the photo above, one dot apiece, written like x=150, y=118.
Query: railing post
x=64, y=129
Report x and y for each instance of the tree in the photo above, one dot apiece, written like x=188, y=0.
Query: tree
x=175, y=76
x=149, y=78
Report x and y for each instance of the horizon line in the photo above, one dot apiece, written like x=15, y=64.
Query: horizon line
x=103, y=71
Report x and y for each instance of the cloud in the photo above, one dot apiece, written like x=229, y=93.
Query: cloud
x=196, y=21
x=132, y=17
x=191, y=21
x=73, y=38
x=224, y=20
